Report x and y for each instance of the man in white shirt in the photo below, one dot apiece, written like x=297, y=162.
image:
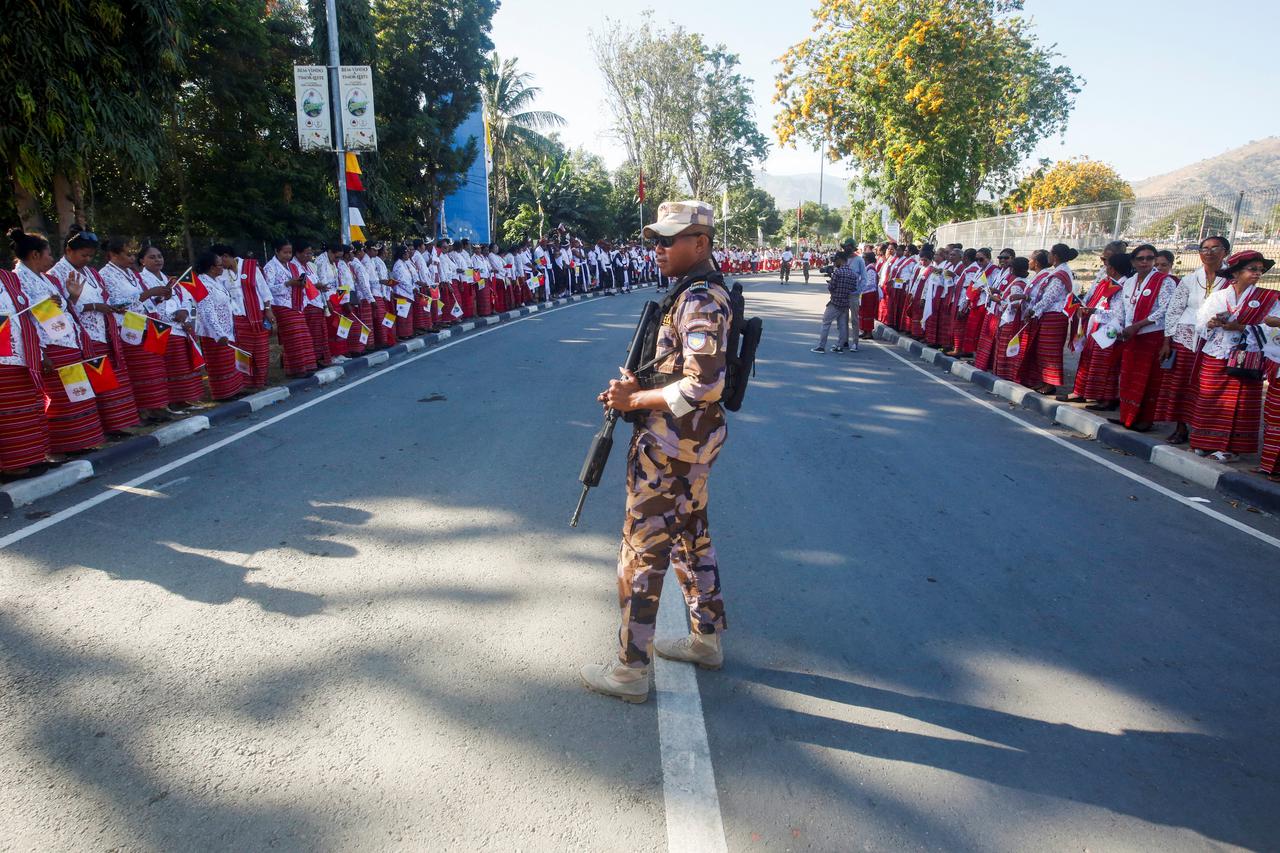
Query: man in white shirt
x=784, y=271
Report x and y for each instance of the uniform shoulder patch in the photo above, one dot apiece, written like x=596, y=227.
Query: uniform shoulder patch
x=698, y=287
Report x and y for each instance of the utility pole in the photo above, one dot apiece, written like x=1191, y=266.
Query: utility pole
x=335, y=97
x=822, y=162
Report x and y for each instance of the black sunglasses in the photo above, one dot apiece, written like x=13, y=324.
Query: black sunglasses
x=1144, y=257
x=668, y=242
x=88, y=236
x=1006, y=257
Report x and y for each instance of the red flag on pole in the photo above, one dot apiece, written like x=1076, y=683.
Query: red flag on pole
x=640, y=187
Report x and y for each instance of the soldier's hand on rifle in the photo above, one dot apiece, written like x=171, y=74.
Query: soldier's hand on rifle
x=621, y=393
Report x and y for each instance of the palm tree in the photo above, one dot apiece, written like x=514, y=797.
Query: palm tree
x=514, y=128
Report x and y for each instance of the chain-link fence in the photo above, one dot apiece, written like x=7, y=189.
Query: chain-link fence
x=1249, y=218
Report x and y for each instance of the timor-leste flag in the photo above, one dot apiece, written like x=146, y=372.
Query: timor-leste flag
x=6, y=336
x=76, y=382
x=193, y=285
x=102, y=376
x=157, y=339
x=197, y=354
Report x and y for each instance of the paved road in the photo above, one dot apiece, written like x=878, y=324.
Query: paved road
x=358, y=626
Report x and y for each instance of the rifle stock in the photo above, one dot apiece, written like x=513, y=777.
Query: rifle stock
x=602, y=443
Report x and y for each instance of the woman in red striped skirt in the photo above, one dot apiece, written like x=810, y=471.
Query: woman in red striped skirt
x=361, y=303
x=215, y=324
x=24, y=435
x=959, y=307
x=1051, y=331
x=403, y=291
x=184, y=375
x=1098, y=373
x=146, y=369
x=984, y=353
x=975, y=303
x=316, y=297
x=246, y=289
x=1145, y=300
x=1271, y=411
x=286, y=279
x=1227, y=407
x=97, y=317
x=73, y=425
x=1011, y=320
x=1181, y=341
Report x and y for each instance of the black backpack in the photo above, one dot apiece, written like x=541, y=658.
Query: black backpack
x=740, y=355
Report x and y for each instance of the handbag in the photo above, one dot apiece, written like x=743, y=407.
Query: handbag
x=1243, y=364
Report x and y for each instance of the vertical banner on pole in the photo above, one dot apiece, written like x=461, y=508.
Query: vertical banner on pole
x=311, y=96
x=359, y=128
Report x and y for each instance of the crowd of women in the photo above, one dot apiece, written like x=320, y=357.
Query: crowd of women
x=1194, y=351
x=102, y=340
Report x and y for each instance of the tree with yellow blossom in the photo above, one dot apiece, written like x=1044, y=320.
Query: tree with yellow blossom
x=934, y=101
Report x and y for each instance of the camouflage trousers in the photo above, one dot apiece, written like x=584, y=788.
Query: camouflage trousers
x=666, y=523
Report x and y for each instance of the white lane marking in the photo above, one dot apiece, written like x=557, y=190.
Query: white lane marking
x=688, y=779
x=119, y=489
x=1192, y=503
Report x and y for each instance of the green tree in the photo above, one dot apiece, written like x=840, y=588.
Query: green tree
x=1191, y=222
x=81, y=80
x=431, y=53
x=515, y=129
x=933, y=100
x=753, y=214
x=680, y=106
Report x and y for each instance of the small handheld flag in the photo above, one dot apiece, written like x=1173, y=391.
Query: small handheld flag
x=1073, y=304
x=1015, y=344
x=457, y=310
x=364, y=334
x=134, y=328
x=388, y=320
x=76, y=382
x=244, y=361
x=344, y=327
x=309, y=288
x=197, y=355
x=194, y=286
x=50, y=316
x=102, y=376
x=157, y=340
x=402, y=307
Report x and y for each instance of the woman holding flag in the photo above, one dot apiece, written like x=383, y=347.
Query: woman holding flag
x=103, y=349
x=361, y=299
x=402, y=295
x=287, y=281
x=1098, y=373
x=246, y=289
x=1145, y=299
x=175, y=331
x=146, y=368
x=24, y=434
x=1010, y=336
x=1051, y=334
x=69, y=410
x=215, y=327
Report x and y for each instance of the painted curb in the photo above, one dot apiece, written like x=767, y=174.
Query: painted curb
x=64, y=476
x=170, y=433
x=51, y=482
x=1256, y=490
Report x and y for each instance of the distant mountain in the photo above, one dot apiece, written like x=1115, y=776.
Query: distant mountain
x=790, y=190
x=1254, y=165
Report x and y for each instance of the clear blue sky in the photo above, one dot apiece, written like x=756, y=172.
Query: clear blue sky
x=1155, y=72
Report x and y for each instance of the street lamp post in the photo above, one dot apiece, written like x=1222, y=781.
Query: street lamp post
x=335, y=97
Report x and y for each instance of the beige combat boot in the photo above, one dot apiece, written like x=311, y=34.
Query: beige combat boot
x=628, y=683
x=702, y=649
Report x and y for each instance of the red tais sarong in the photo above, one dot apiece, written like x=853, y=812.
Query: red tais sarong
x=24, y=434
x=117, y=406
x=1271, y=424
x=220, y=361
x=1050, y=338
x=186, y=383
x=72, y=426
x=295, y=340
x=1227, y=410
x=1098, y=373
x=319, y=333
x=1177, y=397
x=146, y=374
x=256, y=342
x=1140, y=378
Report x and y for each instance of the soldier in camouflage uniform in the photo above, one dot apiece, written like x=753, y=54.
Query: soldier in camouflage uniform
x=680, y=433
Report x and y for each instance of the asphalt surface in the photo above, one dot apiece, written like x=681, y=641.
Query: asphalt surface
x=359, y=625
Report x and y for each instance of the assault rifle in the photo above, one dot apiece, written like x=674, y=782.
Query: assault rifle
x=598, y=455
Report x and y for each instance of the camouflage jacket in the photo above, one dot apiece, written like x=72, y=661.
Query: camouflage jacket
x=693, y=338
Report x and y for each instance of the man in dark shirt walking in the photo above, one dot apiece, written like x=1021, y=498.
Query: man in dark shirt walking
x=843, y=283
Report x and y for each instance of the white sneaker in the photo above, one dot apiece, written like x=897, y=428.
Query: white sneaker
x=628, y=683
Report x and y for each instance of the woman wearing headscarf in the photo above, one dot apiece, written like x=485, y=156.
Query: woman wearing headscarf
x=73, y=424
x=24, y=432
x=215, y=326
x=1181, y=340
x=287, y=280
x=1228, y=406
x=146, y=369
